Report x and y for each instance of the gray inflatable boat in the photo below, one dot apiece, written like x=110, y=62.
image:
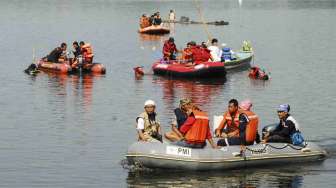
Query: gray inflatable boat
x=169, y=156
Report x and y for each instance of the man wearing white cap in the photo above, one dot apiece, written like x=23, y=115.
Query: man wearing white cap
x=148, y=126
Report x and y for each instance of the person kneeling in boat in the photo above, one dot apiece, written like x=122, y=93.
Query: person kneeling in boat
x=57, y=55
x=181, y=116
x=87, y=52
x=148, y=126
x=285, y=129
x=236, y=128
x=196, y=130
x=76, y=53
x=169, y=50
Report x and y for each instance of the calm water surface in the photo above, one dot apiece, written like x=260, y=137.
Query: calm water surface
x=71, y=131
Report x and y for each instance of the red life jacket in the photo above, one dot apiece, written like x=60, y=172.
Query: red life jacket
x=200, y=54
x=252, y=126
x=198, y=132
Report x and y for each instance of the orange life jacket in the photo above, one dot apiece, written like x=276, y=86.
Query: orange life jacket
x=232, y=124
x=87, y=52
x=198, y=132
x=144, y=22
x=252, y=126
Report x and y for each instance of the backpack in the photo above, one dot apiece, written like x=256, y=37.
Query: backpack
x=297, y=138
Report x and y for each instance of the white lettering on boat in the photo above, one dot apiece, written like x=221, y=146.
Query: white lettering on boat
x=180, y=151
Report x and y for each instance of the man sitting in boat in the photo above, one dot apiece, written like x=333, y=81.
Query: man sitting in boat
x=57, y=55
x=236, y=128
x=157, y=19
x=169, y=49
x=179, y=119
x=144, y=21
x=200, y=54
x=196, y=130
x=253, y=124
x=87, y=52
x=215, y=51
x=285, y=129
x=148, y=126
x=76, y=52
x=187, y=54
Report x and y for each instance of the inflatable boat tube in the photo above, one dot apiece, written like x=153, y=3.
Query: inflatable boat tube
x=169, y=156
x=202, y=70
x=155, y=30
x=61, y=68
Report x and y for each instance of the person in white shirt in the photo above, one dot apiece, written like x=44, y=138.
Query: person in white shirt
x=172, y=15
x=148, y=126
x=215, y=51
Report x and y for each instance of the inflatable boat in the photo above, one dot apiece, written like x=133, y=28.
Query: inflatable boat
x=202, y=70
x=61, y=68
x=95, y=68
x=169, y=156
x=155, y=30
x=240, y=60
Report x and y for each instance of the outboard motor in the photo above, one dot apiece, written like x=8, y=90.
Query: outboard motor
x=268, y=129
x=226, y=55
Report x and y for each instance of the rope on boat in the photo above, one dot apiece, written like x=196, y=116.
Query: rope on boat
x=274, y=147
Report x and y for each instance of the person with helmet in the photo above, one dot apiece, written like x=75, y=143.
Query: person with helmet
x=180, y=117
x=196, y=130
x=233, y=126
x=57, y=55
x=148, y=125
x=87, y=52
x=285, y=128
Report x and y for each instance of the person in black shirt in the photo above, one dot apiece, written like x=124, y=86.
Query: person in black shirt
x=179, y=119
x=285, y=128
x=56, y=55
x=77, y=49
x=157, y=19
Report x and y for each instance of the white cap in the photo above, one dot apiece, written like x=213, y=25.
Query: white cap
x=149, y=103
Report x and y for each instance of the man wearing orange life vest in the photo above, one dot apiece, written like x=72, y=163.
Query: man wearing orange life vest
x=253, y=135
x=196, y=130
x=235, y=128
x=87, y=52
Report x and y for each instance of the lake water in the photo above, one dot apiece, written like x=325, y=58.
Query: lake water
x=71, y=131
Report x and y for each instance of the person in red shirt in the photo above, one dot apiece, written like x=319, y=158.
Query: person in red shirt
x=196, y=130
x=169, y=49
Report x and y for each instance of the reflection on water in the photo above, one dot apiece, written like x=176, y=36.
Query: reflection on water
x=199, y=91
x=234, y=178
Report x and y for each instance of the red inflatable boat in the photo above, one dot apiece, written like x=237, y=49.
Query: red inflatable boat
x=202, y=70
x=155, y=30
x=62, y=68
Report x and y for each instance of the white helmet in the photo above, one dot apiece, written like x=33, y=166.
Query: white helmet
x=149, y=103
